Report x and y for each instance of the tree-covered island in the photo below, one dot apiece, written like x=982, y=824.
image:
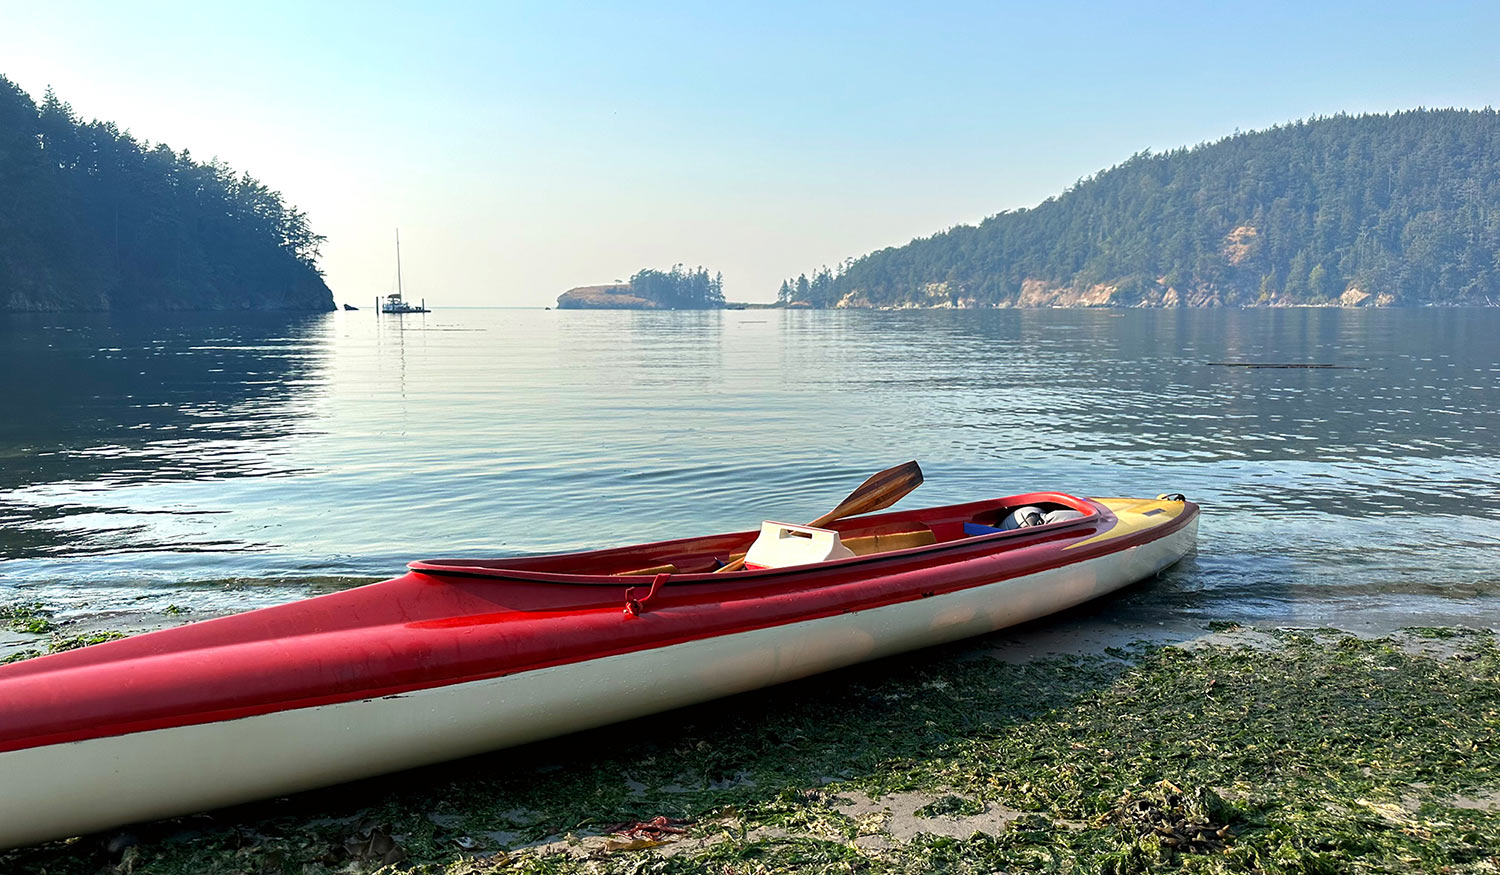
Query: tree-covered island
x=93, y=219
x=677, y=289
x=1355, y=210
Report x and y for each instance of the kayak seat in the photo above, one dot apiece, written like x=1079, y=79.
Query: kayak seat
x=868, y=544
x=859, y=545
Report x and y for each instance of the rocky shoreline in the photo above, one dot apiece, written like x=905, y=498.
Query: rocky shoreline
x=1043, y=295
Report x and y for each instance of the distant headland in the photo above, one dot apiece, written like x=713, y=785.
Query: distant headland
x=676, y=289
x=1353, y=211
x=97, y=220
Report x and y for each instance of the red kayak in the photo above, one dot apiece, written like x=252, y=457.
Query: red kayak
x=457, y=657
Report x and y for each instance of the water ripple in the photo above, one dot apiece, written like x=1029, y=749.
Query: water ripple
x=158, y=452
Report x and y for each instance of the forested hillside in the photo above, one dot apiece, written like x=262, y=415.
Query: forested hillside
x=93, y=219
x=1388, y=209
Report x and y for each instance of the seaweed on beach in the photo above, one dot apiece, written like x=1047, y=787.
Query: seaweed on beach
x=1293, y=752
x=28, y=617
x=60, y=643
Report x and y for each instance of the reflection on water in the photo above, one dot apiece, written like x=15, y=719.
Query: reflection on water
x=103, y=403
x=144, y=454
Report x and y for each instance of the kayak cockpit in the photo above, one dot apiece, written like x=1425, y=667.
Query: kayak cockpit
x=889, y=533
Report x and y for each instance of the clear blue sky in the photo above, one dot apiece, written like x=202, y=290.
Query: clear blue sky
x=524, y=148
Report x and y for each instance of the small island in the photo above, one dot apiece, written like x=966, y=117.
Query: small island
x=676, y=289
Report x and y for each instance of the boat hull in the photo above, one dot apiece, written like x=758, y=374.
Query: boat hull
x=97, y=783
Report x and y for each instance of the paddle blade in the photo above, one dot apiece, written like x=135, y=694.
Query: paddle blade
x=879, y=492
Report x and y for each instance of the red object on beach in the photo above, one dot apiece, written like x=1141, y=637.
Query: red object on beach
x=457, y=657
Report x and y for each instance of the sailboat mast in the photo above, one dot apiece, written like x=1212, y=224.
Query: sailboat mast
x=398, y=261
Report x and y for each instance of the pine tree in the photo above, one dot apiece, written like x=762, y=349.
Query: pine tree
x=1318, y=287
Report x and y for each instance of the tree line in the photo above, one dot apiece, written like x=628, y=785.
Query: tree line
x=1404, y=207
x=92, y=218
x=680, y=288
x=818, y=289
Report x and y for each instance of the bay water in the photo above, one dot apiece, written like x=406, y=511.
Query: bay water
x=220, y=462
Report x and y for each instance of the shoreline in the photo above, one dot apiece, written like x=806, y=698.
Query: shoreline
x=1126, y=746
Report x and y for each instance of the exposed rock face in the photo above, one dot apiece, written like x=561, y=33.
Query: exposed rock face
x=1039, y=293
x=932, y=296
x=615, y=296
x=1239, y=244
x=1042, y=293
x=1355, y=298
x=936, y=295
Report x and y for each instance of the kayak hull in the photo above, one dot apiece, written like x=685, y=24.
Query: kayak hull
x=95, y=783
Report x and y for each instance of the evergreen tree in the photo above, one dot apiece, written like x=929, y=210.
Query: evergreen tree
x=1270, y=287
x=679, y=288
x=1319, y=284
x=1296, y=278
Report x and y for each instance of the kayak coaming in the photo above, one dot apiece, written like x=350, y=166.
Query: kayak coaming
x=109, y=780
x=178, y=700
x=946, y=522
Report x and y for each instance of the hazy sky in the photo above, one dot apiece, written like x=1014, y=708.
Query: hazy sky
x=524, y=148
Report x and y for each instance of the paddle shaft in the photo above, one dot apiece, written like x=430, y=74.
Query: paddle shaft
x=877, y=493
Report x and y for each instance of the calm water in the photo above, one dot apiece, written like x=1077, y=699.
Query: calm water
x=219, y=461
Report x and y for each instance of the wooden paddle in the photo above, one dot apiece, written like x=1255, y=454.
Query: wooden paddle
x=879, y=492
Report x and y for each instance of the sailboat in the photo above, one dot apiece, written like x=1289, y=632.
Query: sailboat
x=394, y=303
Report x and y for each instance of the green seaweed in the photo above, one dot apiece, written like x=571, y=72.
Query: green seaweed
x=58, y=643
x=61, y=643
x=1327, y=753
x=19, y=655
x=950, y=805
x=29, y=617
